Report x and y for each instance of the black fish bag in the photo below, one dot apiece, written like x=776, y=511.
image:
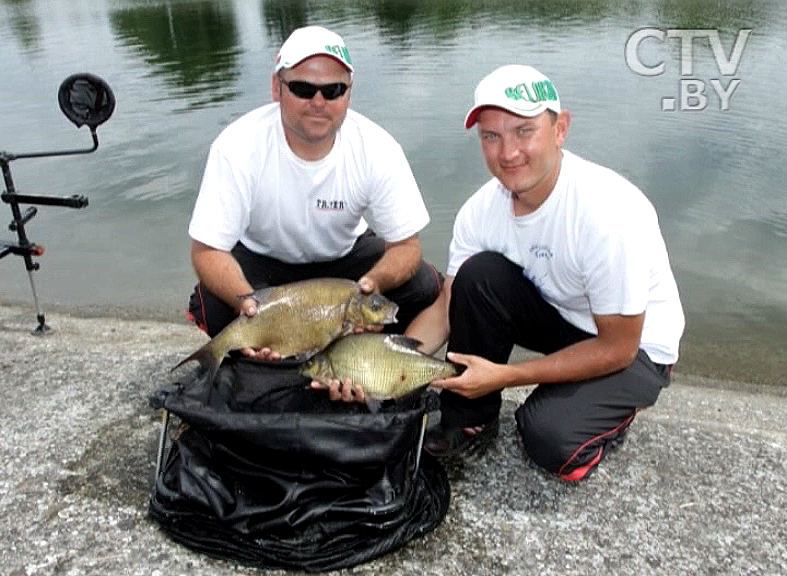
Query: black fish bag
x=264, y=470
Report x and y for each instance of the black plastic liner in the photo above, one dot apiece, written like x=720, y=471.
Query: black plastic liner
x=266, y=471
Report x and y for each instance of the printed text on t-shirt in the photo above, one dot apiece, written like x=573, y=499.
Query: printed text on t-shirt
x=330, y=204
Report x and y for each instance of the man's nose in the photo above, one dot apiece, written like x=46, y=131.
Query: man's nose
x=509, y=149
x=318, y=100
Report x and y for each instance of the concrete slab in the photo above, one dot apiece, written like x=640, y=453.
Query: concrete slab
x=699, y=486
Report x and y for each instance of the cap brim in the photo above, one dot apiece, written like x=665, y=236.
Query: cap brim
x=349, y=67
x=472, y=115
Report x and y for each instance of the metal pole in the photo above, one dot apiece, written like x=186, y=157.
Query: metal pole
x=42, y=327
x=19, y=225
x=93, y=135
x=424, y=420
x=161, y=442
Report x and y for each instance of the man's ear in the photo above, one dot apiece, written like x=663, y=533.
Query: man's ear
x=275, y=87
x=561, y=126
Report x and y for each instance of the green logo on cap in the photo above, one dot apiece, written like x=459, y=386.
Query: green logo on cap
x=340, y=51
x=536, y=92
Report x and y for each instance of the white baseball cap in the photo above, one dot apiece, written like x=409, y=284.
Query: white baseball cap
x=522, y=90
x=311, y=41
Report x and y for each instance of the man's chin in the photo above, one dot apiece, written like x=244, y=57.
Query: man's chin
x=514, y=185
x=319, y=132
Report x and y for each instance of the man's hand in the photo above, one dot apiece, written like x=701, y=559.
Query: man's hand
x=397, y=265
x=261, y=354
x=368, y=328
x=479, y=378
x=248, y=307
x=338, y=390
x=367, y=284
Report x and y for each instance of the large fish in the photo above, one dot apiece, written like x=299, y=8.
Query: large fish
x=297, y=319
x=384, y=365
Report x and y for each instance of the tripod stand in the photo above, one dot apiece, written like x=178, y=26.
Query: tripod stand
x=84, y=99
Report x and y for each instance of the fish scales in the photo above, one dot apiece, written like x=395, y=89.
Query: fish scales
x=321, y=314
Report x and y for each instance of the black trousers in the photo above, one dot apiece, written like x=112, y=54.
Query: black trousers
x=211, y=314
x=566, y=427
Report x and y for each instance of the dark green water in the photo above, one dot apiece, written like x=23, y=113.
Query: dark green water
x=182, y=70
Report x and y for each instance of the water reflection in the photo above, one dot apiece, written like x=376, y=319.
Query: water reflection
x=397, y=20
x=24, y=24
x=723, y=15
x=193, y=46
x=716, y=178
x=281, y=17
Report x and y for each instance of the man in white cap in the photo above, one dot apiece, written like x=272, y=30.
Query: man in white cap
x=287, y=190
x=565, y=258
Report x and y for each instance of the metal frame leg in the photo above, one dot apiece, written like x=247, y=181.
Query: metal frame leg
x=162, y=442
x=420, y=446
x=42, y=327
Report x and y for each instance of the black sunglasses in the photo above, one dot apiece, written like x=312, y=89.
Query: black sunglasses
x=307, y=90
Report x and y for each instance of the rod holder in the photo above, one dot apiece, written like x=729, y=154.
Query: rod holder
x=84, y=99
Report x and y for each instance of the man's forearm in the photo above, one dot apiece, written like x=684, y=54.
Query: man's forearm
x=581, y=361
x=431, y=326
x=220, y=273
x=397, y=265
x=612, y=349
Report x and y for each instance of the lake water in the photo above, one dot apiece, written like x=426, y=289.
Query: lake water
x=182, y=70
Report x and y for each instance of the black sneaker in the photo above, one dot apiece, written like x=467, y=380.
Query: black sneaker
x=455, y=442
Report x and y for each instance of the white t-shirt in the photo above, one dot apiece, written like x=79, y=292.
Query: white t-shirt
x=257, y=191
x=592, y=248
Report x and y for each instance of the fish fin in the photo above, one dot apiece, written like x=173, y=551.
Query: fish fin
x=212, y=369
x=258, y=296
x=404, y=341
x=458, y=368
x=414, y=392
x=302, y=357
x=195, y=356
x=207, y=361
x=373, y=405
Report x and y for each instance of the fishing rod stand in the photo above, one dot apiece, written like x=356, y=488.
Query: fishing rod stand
x=84, y=99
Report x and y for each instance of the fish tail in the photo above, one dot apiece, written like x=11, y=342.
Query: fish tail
x=457, y=368
x=208, y=360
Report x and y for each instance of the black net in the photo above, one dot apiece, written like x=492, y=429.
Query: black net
x=86, y=99
x=265, y=470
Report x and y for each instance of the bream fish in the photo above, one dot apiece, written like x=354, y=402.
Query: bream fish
x=297, y=319
x=384, y=365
